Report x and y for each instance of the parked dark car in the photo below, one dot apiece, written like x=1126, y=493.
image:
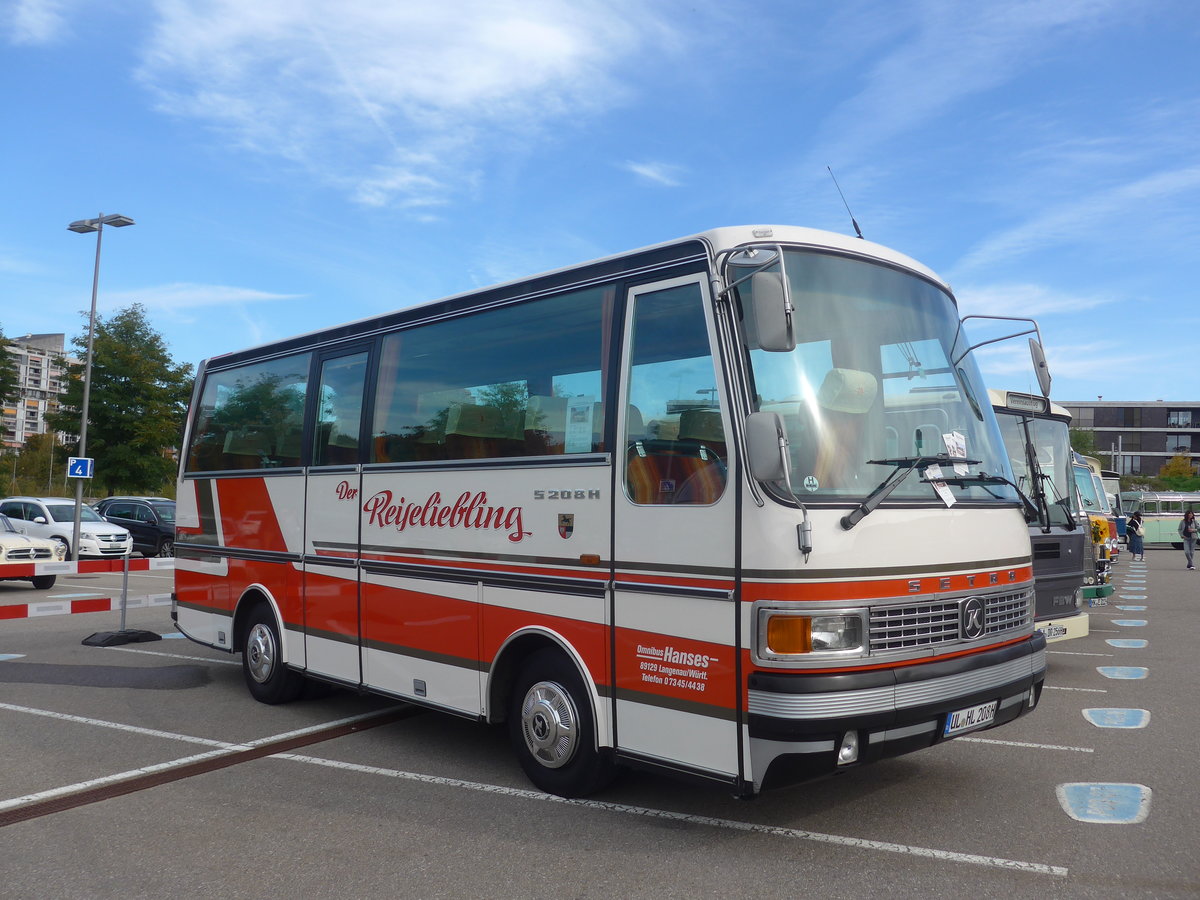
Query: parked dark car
x=151, y=521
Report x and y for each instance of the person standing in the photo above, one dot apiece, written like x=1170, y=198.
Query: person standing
x=1189, y=530
x=1135, y=532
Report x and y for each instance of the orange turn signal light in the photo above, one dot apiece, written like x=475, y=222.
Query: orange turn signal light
x=789, y=634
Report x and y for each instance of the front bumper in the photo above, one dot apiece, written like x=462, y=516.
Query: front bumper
x=93, y=548
x=797, y=721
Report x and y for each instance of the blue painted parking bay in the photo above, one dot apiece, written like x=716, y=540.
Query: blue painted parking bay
x=1105, y=804
x=1124, y=672
x=1118, y=718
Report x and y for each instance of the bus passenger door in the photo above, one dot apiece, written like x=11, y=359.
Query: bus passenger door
x=332, y=621
x=674, y=617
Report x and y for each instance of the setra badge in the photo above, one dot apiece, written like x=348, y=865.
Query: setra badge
x=566, y=525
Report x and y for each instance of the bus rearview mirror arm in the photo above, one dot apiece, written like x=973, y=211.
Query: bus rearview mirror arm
x=1035, y=346
x=771, y=295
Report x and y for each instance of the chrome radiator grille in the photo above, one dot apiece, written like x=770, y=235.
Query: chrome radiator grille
x=927, y=624
x=30, y=553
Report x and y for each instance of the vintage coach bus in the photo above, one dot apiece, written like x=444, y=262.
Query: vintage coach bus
x=1036, y=434
x=734, y=506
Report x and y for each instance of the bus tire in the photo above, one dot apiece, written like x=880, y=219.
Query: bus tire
x=552, y=730
x=268, y=679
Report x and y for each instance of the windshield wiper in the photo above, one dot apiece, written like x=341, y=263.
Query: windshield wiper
x=903, y=466
x=983, y=478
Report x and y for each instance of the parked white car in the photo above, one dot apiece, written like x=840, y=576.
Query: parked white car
x=17, y=548
x=54, y=518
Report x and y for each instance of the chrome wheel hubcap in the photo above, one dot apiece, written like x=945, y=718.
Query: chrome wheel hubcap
x=550, y=724
x=260, y=653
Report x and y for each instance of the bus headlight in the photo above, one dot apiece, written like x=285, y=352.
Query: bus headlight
x=784, y=633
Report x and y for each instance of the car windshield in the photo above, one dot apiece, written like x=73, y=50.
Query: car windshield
x=166, y=512
x=7, y=526
x=65, y=512
x=871, y=378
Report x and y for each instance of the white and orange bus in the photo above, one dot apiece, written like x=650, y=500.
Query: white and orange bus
x=734, y=506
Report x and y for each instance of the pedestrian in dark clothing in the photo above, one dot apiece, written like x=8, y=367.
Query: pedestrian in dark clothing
x=1136, y=533
x=1189, y=530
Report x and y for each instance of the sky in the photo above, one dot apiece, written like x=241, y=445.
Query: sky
x=295, y=164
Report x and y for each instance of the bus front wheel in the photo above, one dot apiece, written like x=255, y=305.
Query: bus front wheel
x=269, y=680
x=552, y=730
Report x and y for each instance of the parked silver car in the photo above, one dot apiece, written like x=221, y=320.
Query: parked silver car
x=54, y=518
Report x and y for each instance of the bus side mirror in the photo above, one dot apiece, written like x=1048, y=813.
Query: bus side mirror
x=773, y=311
x=767, y=443
x=1039, y=366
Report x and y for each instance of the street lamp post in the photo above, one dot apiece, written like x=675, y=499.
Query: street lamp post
x=87, y=226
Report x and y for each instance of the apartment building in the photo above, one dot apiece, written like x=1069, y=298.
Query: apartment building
x=42, y=377
x=1141, y=435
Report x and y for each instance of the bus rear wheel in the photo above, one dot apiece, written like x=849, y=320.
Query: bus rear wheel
x=551, y=728
x=269, y=680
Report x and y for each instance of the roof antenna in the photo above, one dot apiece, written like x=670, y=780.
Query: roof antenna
x=857, y=230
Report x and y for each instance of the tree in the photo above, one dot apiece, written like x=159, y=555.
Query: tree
x=10, y=377
x=1178, y=475
x=1083, y=441
x=136, y=407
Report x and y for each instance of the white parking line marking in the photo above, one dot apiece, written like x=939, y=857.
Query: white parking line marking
x=710, y=821
x=101, y=723
x=221, y=662
x=1058, y=687
x=224, y=749
x=1075, y=653
x=1026, y=744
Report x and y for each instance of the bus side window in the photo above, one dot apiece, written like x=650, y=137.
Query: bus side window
x=339, y=410
x=675, y=447
x=251, y=417
x=520, y=380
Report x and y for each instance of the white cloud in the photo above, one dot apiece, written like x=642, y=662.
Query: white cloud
x=953, y=52
x=396, y=100
x=1097, y=216
x=1024, y=300
x=37, y=21
x=183, y=296
x=657, y=172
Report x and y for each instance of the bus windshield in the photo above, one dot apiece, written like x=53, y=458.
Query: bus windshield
x=1051, y=442
x=1087, y=489
x=871, y=379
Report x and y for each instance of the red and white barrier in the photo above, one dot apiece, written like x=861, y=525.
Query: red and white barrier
x=86, y=604
x=86, y=566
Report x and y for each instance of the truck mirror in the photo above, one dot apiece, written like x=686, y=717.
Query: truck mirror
x=767, y=442
x=1039, y=366
x=773, y=311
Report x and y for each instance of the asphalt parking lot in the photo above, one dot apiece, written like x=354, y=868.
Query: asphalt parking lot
x=146, y=770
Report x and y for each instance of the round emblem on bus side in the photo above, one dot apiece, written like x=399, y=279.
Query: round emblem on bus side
x=971, y=618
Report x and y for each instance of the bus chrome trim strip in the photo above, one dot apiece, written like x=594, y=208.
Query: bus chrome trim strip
x=839, y=704
x=639, y=587
x=207, y=550
x=518, y=581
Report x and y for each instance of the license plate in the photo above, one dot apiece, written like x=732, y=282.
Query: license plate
x=972, y=717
